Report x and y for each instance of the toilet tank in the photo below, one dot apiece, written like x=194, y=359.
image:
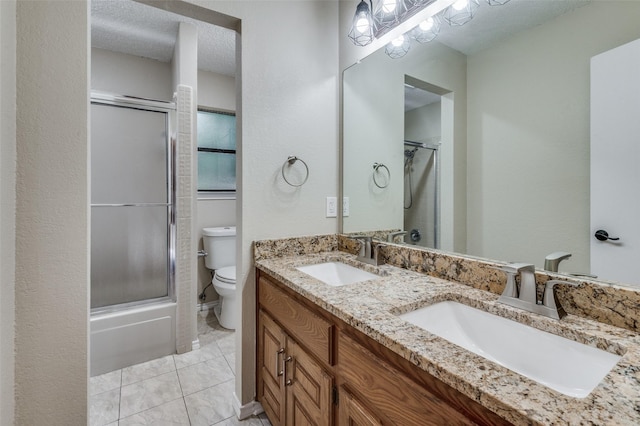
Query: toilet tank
x=220, y=245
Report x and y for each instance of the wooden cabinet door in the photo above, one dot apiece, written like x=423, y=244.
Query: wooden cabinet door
x=308, y=389
x=271, y=348
x=352, y=413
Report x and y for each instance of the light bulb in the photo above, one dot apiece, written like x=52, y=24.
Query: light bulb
x=427, y=24
x=388, y=6
x=460, y=4
x=397, y=42
x=362, y=24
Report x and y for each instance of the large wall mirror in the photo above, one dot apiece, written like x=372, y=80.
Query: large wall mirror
x=495, y=162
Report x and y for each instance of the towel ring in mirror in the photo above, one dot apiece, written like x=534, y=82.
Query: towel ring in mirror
x=376, y=167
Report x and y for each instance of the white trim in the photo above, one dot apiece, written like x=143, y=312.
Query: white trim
x=209, y=306
x=253, y=408
x=216, y=195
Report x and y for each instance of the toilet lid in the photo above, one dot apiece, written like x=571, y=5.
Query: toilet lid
x=227, y=274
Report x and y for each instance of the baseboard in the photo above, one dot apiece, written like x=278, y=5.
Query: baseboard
x=253, y=408
x=207, y=306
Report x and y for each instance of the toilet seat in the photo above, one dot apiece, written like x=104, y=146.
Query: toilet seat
x=226, y=275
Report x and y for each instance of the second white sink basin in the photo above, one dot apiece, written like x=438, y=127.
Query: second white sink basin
x=337, y=273
x=564, y=365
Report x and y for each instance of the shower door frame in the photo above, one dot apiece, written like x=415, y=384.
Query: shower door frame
x=169, y=108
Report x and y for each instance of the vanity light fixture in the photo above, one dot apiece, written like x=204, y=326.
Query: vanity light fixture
x=370, y=22
x=387, y=14
x=497, y=2
x=461, y=12
x=361, y=32
x=398, y=47
x=427, y=30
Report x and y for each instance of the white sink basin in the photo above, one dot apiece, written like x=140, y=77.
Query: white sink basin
x=337, y=273
x=566, y=366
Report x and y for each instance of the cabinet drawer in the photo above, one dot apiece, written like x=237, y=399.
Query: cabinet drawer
x=389, y=393
x=306, y=327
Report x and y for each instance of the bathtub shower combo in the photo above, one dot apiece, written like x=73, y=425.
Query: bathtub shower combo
x=422, y=193
x=133, y=305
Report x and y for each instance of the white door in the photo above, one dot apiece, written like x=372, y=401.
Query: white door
x=615, y=163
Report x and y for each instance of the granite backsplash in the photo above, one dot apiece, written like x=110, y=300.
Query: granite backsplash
x=604, y=302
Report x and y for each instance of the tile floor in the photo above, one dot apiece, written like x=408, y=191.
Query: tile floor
x=195, y=388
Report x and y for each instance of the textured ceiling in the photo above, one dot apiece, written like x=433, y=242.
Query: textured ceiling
x=136, y=29
x=492, y=24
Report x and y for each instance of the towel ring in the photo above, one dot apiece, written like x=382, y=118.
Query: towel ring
x=291, y=161
x=377, y=166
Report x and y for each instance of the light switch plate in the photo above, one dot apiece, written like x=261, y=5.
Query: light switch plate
x=345, y=206
x=332, y=206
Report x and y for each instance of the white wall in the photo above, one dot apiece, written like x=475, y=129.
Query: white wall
x=124, y=74
x=7, y=208
x=289, y=92
x=216, y=91
x=529, y=136
x=52, y=222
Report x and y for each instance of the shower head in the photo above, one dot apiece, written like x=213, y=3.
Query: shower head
x=408, y=156
x=409, y=153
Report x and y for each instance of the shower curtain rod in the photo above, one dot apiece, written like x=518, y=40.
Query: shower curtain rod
x=422, y=145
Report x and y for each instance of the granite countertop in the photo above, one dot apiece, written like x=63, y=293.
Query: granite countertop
x=372, y=307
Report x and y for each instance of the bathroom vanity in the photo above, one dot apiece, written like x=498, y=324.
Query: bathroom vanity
x=341, y=354
x=313, y=367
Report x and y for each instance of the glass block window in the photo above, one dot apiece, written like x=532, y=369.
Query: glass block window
x=216, y=151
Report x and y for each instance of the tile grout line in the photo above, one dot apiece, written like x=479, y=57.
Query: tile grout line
x=184, y=401
x=119, y=398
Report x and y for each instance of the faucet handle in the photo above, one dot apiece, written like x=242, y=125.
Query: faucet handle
x=364, y=241
x=549, y=299
x=552, y=260
x=392, y=235
x=513, y=269
x=516, y=268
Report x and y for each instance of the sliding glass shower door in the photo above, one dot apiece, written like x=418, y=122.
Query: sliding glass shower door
x=131, y=203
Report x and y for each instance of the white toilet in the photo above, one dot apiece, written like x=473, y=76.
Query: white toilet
x=220, y=245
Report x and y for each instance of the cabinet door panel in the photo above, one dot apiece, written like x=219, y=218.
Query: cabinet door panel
x=352, y=413
x=271, y=391
x=313, y=331
x=397, y=398
x=308, y=390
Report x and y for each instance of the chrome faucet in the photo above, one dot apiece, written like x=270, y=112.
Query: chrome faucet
x=552, y=260
x=392, y=235
x=526, y=296
x=369, y=250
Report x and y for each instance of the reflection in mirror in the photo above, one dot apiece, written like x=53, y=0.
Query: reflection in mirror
x=421, y=166
x=514, y=153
